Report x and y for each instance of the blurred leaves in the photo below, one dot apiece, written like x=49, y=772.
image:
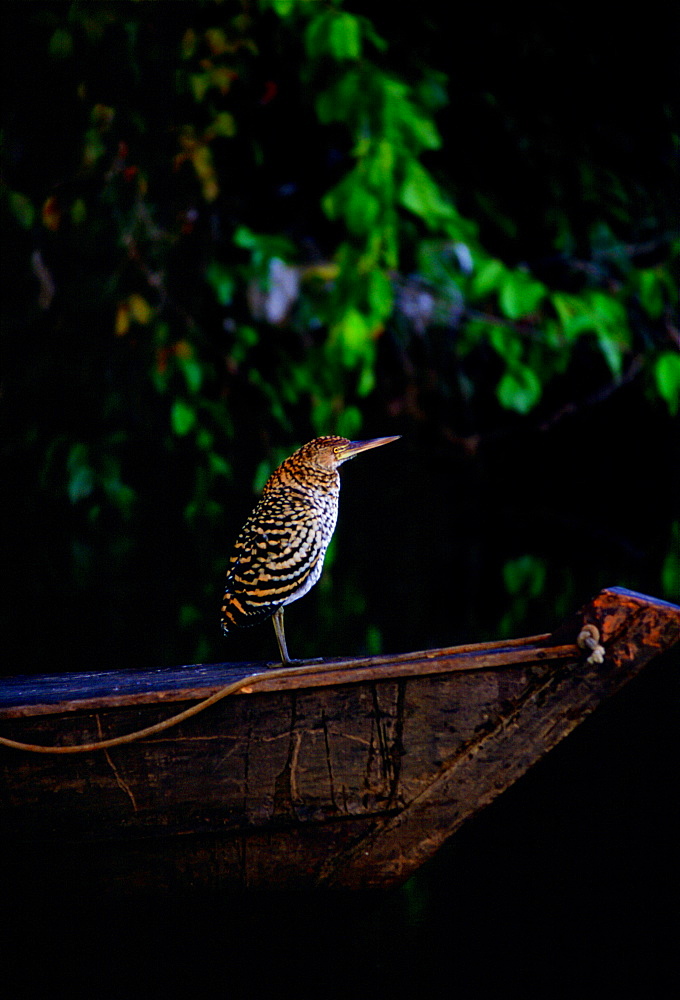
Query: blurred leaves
x=524, y=578
x=389, y=206
x=182, y=417
x=96, y=477
x=520, y=294
x=524, y=575
x=22, y=208
x=667, y=375
x=519, y=388
x=670, y=573
x=334, y=33
x=232, y=226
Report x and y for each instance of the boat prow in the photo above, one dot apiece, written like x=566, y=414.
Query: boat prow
x=340, y=773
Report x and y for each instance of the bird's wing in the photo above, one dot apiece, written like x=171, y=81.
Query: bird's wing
x=274, y=556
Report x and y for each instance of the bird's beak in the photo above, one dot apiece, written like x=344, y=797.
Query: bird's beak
x=355, y=447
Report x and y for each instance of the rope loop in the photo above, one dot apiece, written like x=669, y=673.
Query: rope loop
x=589, y=639
x=174, y=720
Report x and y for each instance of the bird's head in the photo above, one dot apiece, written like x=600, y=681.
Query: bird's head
x=330, y=452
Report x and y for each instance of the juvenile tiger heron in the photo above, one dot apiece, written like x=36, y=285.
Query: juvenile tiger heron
x=278, y=555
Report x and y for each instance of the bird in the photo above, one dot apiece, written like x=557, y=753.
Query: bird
x=279, y=553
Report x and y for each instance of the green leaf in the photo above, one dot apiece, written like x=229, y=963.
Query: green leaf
x=366, y=383
x=599, y=313
x=667, y=376
x=203, y=508
x=222, y=281
x=61, y=44
x=262, y=474
x=344, y=37
x=245, y=238
x=405, y=118
x=22, y=209
x=651, y=292
x=380, y=295
x=425, y=132
x=334, y=33
x=81, y=477
x=78, y=212
x=361, y=209
x=611, y=327
x=612, y=350
x=520, y=294
x=352, y=334
x=352, y=328
x=218, y=465
x=380, y=164
x=374, y=643
x=192, y=370
x=507, y=343
x=263, y=246
x=182, y=418
x=670, y=572
x=340, y=101
x=316, y=35
x=224, y=125
x=608, y=309
x=119, y=493
x=420, y=194
x=247, y=335
x=80, y=484
x=572, y=313
x=351, y=200
x=525, y=575
x=204, y=439
x=488, y=277
x=349, y=422
x=432, y=90
x=519, y=389
x=200, y=83
x=189, y=615
x=371, y=35
x=284, y=8
x=332, y=550
x=322, y=414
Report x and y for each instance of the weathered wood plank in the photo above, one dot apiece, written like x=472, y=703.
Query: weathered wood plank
x=352, y=776
x=46, y=694
x=634, y=629
x=312, y=754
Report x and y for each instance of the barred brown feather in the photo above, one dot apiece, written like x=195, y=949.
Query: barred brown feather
x=278, y=555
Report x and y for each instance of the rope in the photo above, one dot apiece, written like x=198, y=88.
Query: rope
x=159, y=727
x=589, y=638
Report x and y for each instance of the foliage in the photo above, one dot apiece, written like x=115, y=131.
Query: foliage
x=234, y=225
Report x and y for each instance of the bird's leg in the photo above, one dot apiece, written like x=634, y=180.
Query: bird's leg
x=280, y=635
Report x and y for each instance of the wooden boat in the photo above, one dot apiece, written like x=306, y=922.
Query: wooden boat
x=340, y=773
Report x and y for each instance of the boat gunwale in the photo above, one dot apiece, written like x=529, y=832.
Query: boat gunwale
x=510, y=653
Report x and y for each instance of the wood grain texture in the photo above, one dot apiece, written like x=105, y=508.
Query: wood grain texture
x=350, y=777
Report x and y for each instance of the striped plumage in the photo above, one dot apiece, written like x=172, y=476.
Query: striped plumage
x=278, y=555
